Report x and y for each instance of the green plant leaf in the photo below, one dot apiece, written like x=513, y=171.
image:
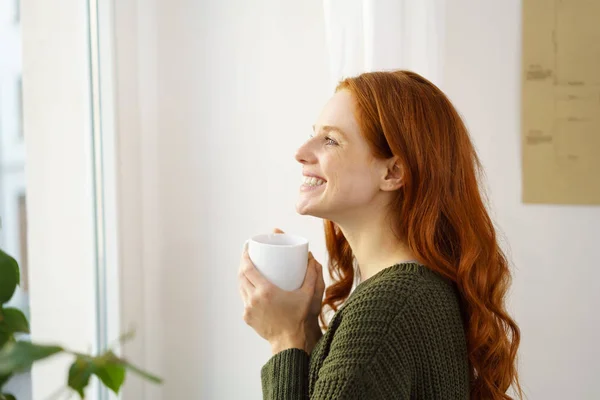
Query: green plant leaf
x=112, y=375
x=143, y=374
x=107, y=367
x=9, y=277
x=18, y=356
x=14, y=321
x=4, y=379
x=7, y=396
x=4, y=337
x=79, y=374
x=109, y=358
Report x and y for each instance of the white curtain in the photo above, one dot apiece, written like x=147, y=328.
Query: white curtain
x=370, y=35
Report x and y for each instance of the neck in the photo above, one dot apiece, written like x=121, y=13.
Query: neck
x=374, y=244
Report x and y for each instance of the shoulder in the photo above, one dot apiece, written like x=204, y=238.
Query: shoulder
x=398, y=287
x=401, y=303
x=374, y=305
x=417, y=309
x=403, y=327
x=370, y=318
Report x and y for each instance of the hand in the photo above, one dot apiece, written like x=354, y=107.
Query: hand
x=317, y=299
x=311, y=325
x=277, y=315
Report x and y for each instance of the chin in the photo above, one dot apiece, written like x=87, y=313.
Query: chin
x=303, y=210
x=312, y=212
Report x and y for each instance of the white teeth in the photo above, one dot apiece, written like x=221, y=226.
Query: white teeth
x=311, y=181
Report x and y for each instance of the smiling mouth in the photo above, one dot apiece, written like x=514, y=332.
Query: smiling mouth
x=311, y=181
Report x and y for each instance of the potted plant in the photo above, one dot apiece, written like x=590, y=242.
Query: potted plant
x=19, y=355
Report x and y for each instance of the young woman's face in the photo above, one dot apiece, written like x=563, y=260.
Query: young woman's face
x=346, y=176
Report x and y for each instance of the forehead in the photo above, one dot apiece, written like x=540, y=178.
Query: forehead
x=339, y=111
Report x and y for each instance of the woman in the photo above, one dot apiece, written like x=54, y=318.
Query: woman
x=393, y=173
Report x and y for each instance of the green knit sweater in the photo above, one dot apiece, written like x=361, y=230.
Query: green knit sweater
x=399, y=335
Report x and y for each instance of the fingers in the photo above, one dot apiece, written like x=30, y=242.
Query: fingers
x=251, y=273
x=244, y=285
x=277, y=230
x=312, y=275
x=246, y=292
x=319, y=281
x=320, y=285
x=317, y=264
x=245, y=288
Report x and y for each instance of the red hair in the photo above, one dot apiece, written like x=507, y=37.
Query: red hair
x=439, y=213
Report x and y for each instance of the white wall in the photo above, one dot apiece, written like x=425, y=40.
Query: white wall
x=240, y=85
x=206, y=88
x=237, y=86
x=556, y=292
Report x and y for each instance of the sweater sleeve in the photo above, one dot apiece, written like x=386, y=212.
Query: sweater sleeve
x=285, y=376
x=361, y=332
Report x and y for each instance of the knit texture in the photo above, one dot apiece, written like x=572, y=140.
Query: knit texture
x=398, y=336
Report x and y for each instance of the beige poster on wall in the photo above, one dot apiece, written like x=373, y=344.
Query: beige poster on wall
x=560, y=110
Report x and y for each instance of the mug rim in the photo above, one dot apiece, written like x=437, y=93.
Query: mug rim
x=301, y=240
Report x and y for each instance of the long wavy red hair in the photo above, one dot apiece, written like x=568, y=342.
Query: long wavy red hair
x=439, y=213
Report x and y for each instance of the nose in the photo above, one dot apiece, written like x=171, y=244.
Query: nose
x=305, y=155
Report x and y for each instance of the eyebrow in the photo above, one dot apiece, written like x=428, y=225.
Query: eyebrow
x=330, y=128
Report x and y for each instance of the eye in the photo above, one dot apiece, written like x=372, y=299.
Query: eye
x=330, y=141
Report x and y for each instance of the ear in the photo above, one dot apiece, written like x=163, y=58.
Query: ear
x=394, y=175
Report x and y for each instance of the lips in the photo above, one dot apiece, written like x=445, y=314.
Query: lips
x=314, y=176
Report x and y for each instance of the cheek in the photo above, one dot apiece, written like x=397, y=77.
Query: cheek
x=353, y=184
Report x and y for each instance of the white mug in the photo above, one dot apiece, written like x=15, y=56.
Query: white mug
x=281, y=258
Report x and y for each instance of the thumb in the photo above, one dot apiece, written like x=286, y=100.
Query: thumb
x=310, y=280
x=277, y=230
x=317, y=265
